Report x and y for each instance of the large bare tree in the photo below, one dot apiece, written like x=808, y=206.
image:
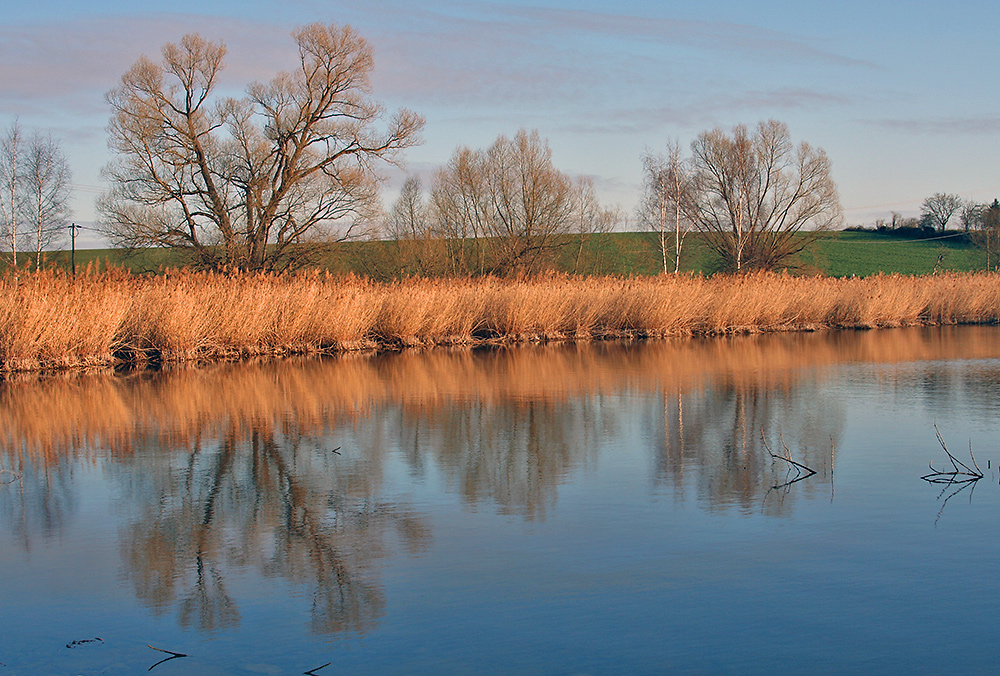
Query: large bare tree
x=260, y=182
x=757, y=198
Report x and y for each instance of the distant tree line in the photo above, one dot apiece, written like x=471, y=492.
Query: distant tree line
x=979, y=221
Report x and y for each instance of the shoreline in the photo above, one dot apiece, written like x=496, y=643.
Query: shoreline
x=51, y=323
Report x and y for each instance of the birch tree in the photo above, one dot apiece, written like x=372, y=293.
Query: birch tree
x=46, y=193
x=11, y=187
x=34, y=192
x=665, y=190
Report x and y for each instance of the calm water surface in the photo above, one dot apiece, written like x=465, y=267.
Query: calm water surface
x=599, y=509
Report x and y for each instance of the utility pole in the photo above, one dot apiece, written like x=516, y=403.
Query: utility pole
x=73, y=227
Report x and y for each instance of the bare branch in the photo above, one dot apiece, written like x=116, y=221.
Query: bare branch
x=257, y=182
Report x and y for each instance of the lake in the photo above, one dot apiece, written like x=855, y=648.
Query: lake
x=748, y=505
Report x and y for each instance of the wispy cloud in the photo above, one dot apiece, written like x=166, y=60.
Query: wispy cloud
x=468, y=53
x=709, y=110
x=81, y=60
x=748, y=40
x=972, y=126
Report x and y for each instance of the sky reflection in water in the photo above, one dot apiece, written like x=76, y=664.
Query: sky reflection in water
x=567, y=509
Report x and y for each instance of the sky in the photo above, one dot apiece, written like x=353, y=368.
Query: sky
x=901, y=96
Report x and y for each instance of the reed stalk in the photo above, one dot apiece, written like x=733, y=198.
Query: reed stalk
x=51, y=321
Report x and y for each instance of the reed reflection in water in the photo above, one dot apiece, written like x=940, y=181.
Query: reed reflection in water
x=280, y=468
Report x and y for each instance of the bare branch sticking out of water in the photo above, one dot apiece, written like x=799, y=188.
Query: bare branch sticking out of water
x=800, y=471
x=312, y=672
x=956, y=480
x=173, y=656
x=960, y=472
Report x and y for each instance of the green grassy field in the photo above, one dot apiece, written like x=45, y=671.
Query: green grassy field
x=842, y=254
x=837, y=254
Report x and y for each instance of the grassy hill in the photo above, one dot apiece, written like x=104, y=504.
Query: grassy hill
x=842, y=254
x=837, y=254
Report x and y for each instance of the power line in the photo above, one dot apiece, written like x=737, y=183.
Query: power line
x=995, y=189
x=87, y=188
x=897, y=241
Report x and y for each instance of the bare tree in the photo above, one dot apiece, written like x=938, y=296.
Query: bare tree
x=412, y=247
x=46, y=192
x=261, y=182
x=503, y=209
x=531, y=202
x=666, y=185
x=591, y=219
x=971, y=214
x=938, y=209
x=985, y=229
x=34, y=191
x=11, y=186
x=756, y=197
x=408, y=218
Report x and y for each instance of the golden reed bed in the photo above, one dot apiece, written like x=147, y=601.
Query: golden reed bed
x=49, y=321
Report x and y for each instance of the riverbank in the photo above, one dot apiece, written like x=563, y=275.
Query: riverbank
x=50, y=321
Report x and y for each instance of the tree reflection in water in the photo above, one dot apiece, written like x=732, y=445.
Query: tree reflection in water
x=37, y=499
x=229, y=471
x=713, y=437
x=513, y=454
x=270, y=500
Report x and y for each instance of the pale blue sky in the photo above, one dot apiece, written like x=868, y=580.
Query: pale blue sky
x=903, y=97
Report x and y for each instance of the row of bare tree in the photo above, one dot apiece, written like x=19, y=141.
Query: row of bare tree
x=272, y=180
x=500, y=210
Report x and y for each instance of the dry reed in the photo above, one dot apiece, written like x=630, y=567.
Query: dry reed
x=50, y=321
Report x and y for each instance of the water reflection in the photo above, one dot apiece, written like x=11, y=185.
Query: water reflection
x=280, y=470
x=719, y=440
x=37, y=499
x=266, y=498
x=512, y=454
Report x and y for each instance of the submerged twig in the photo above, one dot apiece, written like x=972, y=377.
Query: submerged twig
x=8, y=476
x=173, y=656
x=801, y=471
x=84, y=641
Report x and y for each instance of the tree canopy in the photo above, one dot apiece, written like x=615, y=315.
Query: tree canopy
x=757, y=198
x=261, y=182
